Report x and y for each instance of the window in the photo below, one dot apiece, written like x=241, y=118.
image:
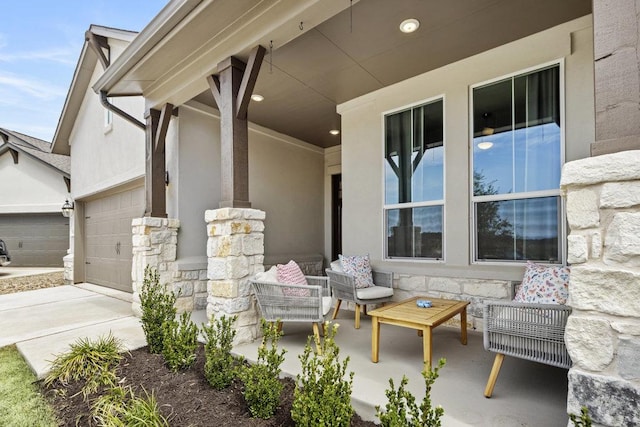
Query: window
x=517, y=159
x=414, y=182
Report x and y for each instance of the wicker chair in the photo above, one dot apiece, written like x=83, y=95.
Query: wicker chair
x=529, y=331
x=311, y=305
x=343, y=287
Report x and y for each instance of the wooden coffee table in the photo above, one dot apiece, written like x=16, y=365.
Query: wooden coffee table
x=407, y=314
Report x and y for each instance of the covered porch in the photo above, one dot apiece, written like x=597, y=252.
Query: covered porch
x=526, y=394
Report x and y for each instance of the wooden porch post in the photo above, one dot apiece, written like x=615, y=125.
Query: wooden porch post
x=155, y=136
x=232, y=91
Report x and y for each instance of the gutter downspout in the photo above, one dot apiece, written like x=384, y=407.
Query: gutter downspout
x=109, y=106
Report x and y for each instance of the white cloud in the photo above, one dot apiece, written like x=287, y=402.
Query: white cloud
x=37, y=89
x=59, y=55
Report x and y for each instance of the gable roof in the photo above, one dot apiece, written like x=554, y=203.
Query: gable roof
x=35, y=148
x=79, y=84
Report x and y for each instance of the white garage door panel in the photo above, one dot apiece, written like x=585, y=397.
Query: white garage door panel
x=108, y=251
x=35, y=240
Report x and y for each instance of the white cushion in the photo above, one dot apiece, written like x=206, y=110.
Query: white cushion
x=337, y=266
x=327, y=302
x=374, y=292
x=270, y=275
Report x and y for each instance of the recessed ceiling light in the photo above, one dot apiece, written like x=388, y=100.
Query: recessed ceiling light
x=257, y=98
x=485, y=145
x=334, y=132
x=409, y=25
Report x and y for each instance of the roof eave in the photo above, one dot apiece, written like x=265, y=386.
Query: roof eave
x=79, y=84
x=171, y=15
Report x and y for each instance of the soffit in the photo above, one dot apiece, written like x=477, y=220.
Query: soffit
x=354, y=52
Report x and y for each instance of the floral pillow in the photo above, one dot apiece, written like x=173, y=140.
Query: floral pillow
x=360, y=268
x=291, y=274
x=544, y=284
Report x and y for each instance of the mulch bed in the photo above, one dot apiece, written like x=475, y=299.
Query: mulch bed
x=185, y=398
x=10, y=285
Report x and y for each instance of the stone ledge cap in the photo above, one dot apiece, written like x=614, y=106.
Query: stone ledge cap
x=622, y=166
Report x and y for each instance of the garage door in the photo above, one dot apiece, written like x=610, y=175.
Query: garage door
x=108, y=238
x=35, y=240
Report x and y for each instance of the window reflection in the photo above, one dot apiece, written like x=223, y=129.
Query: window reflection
x=414, y=165
x=421, y=239
x=517, y=143
x=518, y=230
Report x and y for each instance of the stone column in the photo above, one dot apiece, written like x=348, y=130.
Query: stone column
x=155, y=242
x=603, y=331
x=235, y=250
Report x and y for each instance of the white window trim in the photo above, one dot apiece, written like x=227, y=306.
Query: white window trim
x=524, y=195
x=441, y=202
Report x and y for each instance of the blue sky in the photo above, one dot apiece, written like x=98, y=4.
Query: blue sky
x=40, y=43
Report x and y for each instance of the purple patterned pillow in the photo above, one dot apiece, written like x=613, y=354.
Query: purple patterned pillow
x=360, y=268
x=543, y=284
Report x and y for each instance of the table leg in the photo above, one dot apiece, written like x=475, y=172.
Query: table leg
x=426, y=344
x=463, y=326
x=375, y=339
x=316, y=337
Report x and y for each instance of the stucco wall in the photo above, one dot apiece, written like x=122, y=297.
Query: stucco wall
x=102, y=156
x=285, y=181
x=29, y=186
x=363, y=143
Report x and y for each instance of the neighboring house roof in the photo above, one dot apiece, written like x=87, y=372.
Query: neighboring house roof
x=35, y=148
x=79, y=84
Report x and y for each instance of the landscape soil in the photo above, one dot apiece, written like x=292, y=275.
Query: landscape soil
x=185, y=398
x=10, y=285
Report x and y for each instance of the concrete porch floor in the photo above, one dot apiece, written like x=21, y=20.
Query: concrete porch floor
x=526, y=393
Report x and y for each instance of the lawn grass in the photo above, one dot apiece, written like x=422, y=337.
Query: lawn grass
x=21, y=403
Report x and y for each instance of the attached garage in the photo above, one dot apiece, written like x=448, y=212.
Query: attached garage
x=107, y=230
x=35, y=240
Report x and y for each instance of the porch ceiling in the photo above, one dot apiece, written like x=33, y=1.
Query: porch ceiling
x=352, y=53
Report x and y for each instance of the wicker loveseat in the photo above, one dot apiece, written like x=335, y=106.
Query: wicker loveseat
x=529, y=331
x=283, y=303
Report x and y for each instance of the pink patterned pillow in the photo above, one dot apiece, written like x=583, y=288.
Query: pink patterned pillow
x=360, y=268
x=544, y=284
x=290, y=274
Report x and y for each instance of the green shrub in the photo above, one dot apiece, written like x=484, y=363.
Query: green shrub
x=323, y=393
x=93, y=362
x=262, y=386
x=119, y=407
x=180, y=340
x=220, y=365
x=157, y=308
x=584, y=420
x=401, y=409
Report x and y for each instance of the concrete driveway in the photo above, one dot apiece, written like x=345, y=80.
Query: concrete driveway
x=43, y=323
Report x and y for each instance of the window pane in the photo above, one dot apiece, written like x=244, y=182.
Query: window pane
x=493, y=137
x=398, y=158
x=414, y=155
x=517, y=134
x=428, y=152
x=527, y=229
x=537, y=138
x=415, y=232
